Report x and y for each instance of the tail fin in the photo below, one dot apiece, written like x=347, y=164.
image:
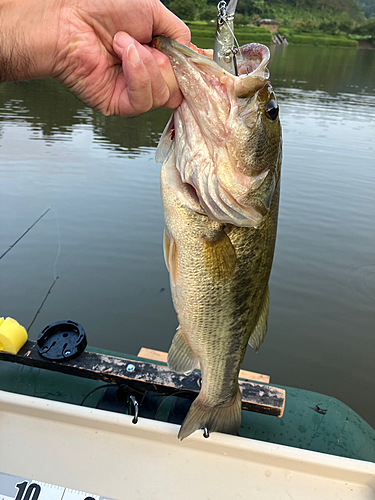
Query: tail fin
x=224, y=418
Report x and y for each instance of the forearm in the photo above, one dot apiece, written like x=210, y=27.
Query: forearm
x=28, y=39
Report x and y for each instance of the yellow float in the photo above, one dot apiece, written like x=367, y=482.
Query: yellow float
x=12, y=335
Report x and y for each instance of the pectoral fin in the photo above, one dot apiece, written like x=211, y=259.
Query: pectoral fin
x=258, y=334
x=219, y=256
x=170, y=250
x=165, y=142
x=181, y=358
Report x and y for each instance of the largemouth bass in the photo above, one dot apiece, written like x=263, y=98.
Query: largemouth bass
x=220, y=189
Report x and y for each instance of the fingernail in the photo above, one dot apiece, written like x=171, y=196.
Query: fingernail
x=119, y=41
x=133, y=55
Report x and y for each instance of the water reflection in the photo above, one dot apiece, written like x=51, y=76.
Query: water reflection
x=53, y=113
x=333, y=70
x=132, y=134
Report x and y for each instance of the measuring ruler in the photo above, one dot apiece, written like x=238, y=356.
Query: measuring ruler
x=20, y=488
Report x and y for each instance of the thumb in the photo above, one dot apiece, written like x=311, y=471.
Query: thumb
x=168, y=24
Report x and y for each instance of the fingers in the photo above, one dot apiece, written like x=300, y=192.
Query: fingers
x=167, y=73
x=147, y=80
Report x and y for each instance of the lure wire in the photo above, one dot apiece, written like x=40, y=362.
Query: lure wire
x=224, y=18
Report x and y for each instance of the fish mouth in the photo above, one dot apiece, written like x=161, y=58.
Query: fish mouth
x=202, y=132
x=252, y=60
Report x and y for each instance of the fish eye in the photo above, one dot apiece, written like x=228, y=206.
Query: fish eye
x=272, y=110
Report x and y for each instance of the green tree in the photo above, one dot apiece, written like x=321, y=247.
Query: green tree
x=368, y=8
x=367, y=29
x=250, y=7
x=200, y=5
x=208, y=14
x=185, y=9
x=328, y=26
x=239, y=19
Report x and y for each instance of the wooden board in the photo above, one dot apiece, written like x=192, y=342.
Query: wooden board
x=142, y=376
x=162, y=356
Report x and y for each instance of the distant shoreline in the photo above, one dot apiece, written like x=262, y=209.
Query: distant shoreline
x=247, y=34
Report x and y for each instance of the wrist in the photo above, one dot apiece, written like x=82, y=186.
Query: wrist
x=28, y=39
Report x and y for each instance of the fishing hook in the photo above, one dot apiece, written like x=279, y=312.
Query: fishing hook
x=136, y=409
x=222, y=11
x=225, y=18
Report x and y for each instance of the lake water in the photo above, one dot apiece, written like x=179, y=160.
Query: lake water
x=103, y=236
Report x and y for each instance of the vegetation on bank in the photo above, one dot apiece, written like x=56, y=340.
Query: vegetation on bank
x=244, y=34
x=317, y=22
x=317, y=38
x=248, y=34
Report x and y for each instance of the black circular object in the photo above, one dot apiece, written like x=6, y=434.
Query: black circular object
x=62, y=340
x=272, y=110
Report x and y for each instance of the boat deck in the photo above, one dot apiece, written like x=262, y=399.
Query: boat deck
x=310, y=421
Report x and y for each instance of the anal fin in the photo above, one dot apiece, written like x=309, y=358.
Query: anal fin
x=181, y=358
x=258, y=334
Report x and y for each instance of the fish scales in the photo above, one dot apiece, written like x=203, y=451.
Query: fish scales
x=220, y=194
x=222, y=313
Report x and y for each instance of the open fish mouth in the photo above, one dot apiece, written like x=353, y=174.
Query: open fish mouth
x=230, y=156
x=252, y=61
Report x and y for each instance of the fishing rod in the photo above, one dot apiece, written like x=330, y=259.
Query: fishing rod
x=42, y=304
x=27, y=230
x=55, y=277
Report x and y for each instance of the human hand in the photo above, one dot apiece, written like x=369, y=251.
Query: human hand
x=97, y=49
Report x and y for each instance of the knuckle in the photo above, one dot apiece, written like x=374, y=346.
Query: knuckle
x=161, y=96
x=140, y=104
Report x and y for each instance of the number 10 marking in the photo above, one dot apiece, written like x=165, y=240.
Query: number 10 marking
x=28, y=491
x=32, y=491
